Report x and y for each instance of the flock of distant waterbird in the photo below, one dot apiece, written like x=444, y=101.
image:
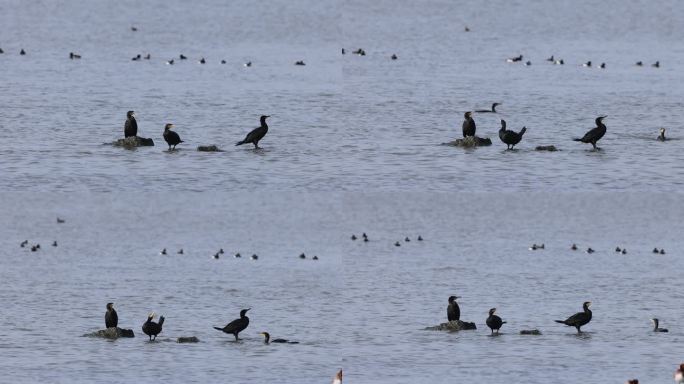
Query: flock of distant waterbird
x=172, y=138
x=217, y=255
x=557, y=61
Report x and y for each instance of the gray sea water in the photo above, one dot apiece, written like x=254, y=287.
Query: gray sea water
x=354, y=146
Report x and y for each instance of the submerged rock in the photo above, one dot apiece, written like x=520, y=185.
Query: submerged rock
x=470, y=142
x=456, y=325
x=530, y=332
x=111, y=333
x=134, y=141
x=188, y=339
x=209, y=148
x=550, y=148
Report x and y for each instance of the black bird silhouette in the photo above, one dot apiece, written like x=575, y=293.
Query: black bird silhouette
x=468, y=125
x=579, y=319
x=300, y=62
x=493, y=110
x=73, y=56
x=453, y=310
x=662, y=137
x=111, y=318
x=182, y=57
x=639, y=64
x=22, y=52
x=656, y=328
x=267, y=339
x=394, y=57
x=236, y=326
x=131, y=126
x=656, y=64
x=494, y=322
x=594, y=134
x=256, y=134
x=152, y=329
x=510, y=138
x=171, y=137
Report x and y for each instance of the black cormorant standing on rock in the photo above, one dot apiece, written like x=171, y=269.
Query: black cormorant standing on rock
x=453, y=310
x=468, y=125
x=256, y=134
x=494, y=322
x=493, y=110
x=111, y=318
x=236, y=326
x=656, y=328
x=171, y=137
x=662, y=137
x=510, y=138
x=131, y=126
x=152, y=329
x=594, y=134
x=579, y=319
x=267, y=339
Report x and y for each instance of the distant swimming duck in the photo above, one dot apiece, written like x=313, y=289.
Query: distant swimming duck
x=163, y=252
x=34, y=248
x=656, y=64
x=528, y=63
x=170, y=62
x=587, y=64
x=300, y=62
x=135, y=58
x=302, y=256
x=394, y=57
x=639, y=64
x=551, y=59
x=406, y=239
x=180, y=251
x=574, y=247
x=353, y=237
x=589, y=250
x=617, y=249
x=223, y=61
x=515, y=59
x=54, y=243
x=359, y=52
x=655, y=326
x=1, y=51
x=315, y=257
x=632, y=381
x=420, y=238
x=662, y=251
x=533, y=247
x=248, y=64
x=603, y=66
x=624, y=251
x=134, y=29
x=467, y=29
x=343, y=51
x=662, y=137
x=73, y=56
x=202, y=61
x=22, y=52
x=255, y=257
x=216, y=256
x=397, y=244
x=148, y=56
x=655, y=250
x=493, y=110
x=60, y=221
x=220, y=251
x=237, y=255
x=23, y=243
x=183, y=57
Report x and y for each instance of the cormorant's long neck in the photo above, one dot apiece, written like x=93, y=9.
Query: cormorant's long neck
x=263, y=124
x=493, y=107
x=268, y=339
x=600, y=124
x=503, y=125
x=655, y=324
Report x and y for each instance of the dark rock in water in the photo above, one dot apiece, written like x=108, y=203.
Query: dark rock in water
x=456, y=325
x=530, y=332
x=111, y=333
x=209, y=148
x=134, y=141
x=188, y=339
x=550, y=148
x=470, y=142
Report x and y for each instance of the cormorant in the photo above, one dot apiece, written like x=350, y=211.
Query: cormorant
x=594, y=134
x=510, y=138
x=150, y=328
x=338, y=377
x=662, y=137
x=468, y=125
x=22, y=52
x=494, y=321
x=236, y=326
x=171, y=137
x=183, y=57
x=656, y=64
x=256, y=134
x=579, y=319
x=267, y=339
x=131, y=126
x=453, y=310
x=300, y=62
x=655, y=326
x=493, y=110
x=394, y=57
x=111, y=318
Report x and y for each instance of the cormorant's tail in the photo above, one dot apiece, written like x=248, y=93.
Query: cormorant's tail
x=504, y=322
x=161, y=320
x=239, y=143
x=218, y=329
x=576, y=139
x=522, y=131
x=560, y=321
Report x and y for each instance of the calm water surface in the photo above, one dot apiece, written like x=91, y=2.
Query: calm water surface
x=354, y=146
